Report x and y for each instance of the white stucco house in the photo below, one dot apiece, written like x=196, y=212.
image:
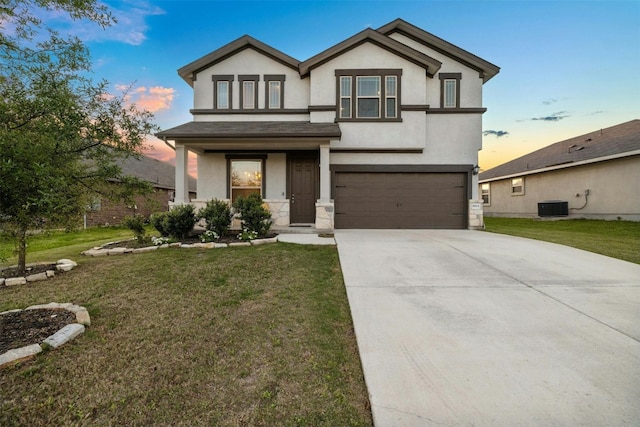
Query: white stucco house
x=379, y=131
x=591, y=176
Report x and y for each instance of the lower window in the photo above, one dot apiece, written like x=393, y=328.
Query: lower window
x=246, y=178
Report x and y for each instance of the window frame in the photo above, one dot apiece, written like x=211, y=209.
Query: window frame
x=450, y=77
x=268, y=79
x=514, y=186
x=246, y=158
x=382, y=74
x=228, y=78
x=485, y=191
x=360, y=96
x=242, y=79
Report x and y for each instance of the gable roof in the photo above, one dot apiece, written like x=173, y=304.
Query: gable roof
x=189, y=71
x=486, y=69
x=617, y=141
x=159, y=174
x=431, y=65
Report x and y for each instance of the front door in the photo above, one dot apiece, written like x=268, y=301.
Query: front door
x=304, y=173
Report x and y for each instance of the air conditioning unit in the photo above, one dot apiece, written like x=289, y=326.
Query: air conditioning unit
x=553, y=208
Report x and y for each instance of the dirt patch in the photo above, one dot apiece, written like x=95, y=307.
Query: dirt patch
x=26, y=327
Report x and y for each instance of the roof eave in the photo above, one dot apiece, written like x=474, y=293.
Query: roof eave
x=431, y=65
x=487, y=70
x=562, y=166
x=189, y=71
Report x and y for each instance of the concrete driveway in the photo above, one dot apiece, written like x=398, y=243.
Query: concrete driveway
x=459, y=327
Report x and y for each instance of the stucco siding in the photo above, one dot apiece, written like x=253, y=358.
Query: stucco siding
x=249, y=61
x=212, y=176
x=470, y=83
x=612, y=185
x=276, y=176
x=367, y=56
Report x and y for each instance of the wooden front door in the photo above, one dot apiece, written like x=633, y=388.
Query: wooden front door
x=304, y=177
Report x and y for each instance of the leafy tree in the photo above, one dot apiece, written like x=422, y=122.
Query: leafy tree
x=60, y=132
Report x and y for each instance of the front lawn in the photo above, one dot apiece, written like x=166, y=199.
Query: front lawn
x=256, y=336
x=617, y=239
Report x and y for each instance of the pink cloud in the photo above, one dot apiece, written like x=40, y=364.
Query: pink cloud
x=160, y=151
x=152, y=99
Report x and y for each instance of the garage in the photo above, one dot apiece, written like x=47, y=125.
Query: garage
x=400, y=199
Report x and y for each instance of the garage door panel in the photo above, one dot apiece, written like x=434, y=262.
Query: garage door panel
x=400, y=200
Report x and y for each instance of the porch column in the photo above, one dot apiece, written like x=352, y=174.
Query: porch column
x=182, y=174
x=325, y=175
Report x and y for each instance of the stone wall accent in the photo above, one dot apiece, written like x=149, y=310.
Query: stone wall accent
x=64, y=335
x=325, y=216
x=280, y=212
x=476, y=215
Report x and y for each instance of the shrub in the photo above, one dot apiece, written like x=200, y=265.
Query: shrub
x=135, y=223
x=176, y=223
x=158, y=221
x=218, y=216
x=255, y=217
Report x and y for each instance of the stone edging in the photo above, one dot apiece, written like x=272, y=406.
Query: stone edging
x=101, y=251
x=64, y=335
x=61, y=265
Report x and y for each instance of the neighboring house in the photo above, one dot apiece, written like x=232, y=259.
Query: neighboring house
x=160, y=175
x=379, y=131
x=590, y=176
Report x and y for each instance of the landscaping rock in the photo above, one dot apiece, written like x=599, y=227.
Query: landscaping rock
x=37, y=277
x=220, y=245
x=64, y=335
x=239, y=244
x=19, y=354
x=117, y=251
x=95, y=252
x=50, y=306
x=147, y=249
x=67, y=261
x=15, y=281
x=50, y=273
x=1, y=281
x=82, y=317
x=64, y=267
x=15, y=310
x=257, y=242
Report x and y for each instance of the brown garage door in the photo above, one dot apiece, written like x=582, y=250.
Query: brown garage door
x=400, y=200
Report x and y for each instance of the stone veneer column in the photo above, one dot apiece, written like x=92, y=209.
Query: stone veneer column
x=182, y=171
x=324, y=206
x=476, y=215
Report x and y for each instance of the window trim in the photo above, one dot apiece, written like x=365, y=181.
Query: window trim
x=382, y=74
x=444, y=77
x=513, y=187
x=378, y=97
x=229, y=78
x=262, y=158
x=242, y=78
x=268, y=78
x=488, y=193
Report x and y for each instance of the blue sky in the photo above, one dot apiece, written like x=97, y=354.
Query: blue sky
x=567, y=67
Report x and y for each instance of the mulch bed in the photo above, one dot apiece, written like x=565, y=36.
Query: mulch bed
x=133, y=244
x=28, y=327
x=8, y=273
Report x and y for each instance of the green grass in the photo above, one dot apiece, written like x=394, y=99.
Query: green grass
x=617, y=239
x=256, y=336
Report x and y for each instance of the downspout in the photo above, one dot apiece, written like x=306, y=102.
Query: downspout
x=164, y=138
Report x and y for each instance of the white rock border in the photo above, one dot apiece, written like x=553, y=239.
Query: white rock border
x=61, y=266
x=64, y=335
x=101, y=251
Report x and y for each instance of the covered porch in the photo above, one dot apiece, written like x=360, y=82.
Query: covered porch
x=287, y=163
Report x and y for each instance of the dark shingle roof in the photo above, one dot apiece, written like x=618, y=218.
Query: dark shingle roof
x=159, y=174
x=254, y=130
x=610, y=141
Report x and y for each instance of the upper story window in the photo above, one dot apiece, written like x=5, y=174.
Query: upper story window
x=249, y=91
x=274, y=91
x=450, y=90
x=368, y=95
x=222, y=90
x=517, y=186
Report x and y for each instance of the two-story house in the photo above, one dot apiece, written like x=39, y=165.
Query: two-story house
x=379, y=131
